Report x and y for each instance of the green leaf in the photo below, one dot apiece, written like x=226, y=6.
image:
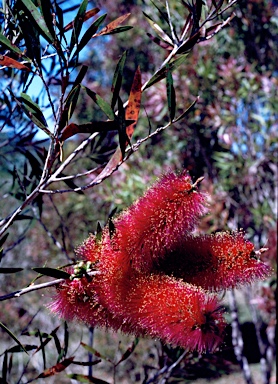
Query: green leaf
x=104, y=106
x=91, y=127
x=24, y=217
x=12, y=336
x=117, y=80
x=162, y=13
x=48, y=338
x=5, y=367
x=66, y=339
x=99, y=232
x=78, y=23
x=8, y=44
x=42, y=349
x=118, y=30
x=80, y=76
x=123, y=138
x=33, y=111
x=47, y=11
x=86, y=363
x=128, y=352
x=89, y=34
x=171, y=94
x=18, y=348
x=164, y=36
x=3, y=239
x=60, y=19
x=10, y=270
x=189, y=109
x=52, y=272
x=94, y=352
x=39, y=20
x=72, y=101
x=162, y=72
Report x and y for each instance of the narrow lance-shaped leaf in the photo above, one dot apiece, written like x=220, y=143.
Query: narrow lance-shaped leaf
x=52, y=272
x=186, y=112
x=77, y=23
x=8, y=44
x=34, y=112
x=72, y=101
x=5, y=367
x=56, y=368
x=99, y=232
x=86, y=363
x=39, y=21
x=80, y=75
x=11, y=63
x=159, y=30
x=129, y=351
x=91, y=127
x=48, y=338
x=103, y=105
x=162, y=72
x=3, y=239
x=42, y=349
x=94, y=352
x=132, y=113
x=113, y=25
x=87, y=16
x=47, y=11
x=122, y=127
x=60, y=20
x=66, y=338
x=171, y=94
x=163, y=14
x=117, y=79
x=161, y=43
x=12, y=336
x=18, y=348
x=119, y=30
x=134, y=102
x=189, y=43
x=89, y=34
x=69, y=105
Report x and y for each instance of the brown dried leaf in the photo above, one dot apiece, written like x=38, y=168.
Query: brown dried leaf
x=11, y=63
x=56, y=368
x=134, y=102
x=113, y=25
x=88, y=15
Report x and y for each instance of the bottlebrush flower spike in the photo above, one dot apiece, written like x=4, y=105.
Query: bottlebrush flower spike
x=168, y=211
x=176, y=312
x=153, y=273
x=142, y=304
x=220, y=261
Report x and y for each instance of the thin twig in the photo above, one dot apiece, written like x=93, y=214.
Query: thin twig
x=99, y=180
x=36, y=287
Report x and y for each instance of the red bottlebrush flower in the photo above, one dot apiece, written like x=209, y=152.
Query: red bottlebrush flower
x=177, y=313
x=220, y=261
x=170, y=209
x=78, y=299
x=155, y=305
x=153, y=273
